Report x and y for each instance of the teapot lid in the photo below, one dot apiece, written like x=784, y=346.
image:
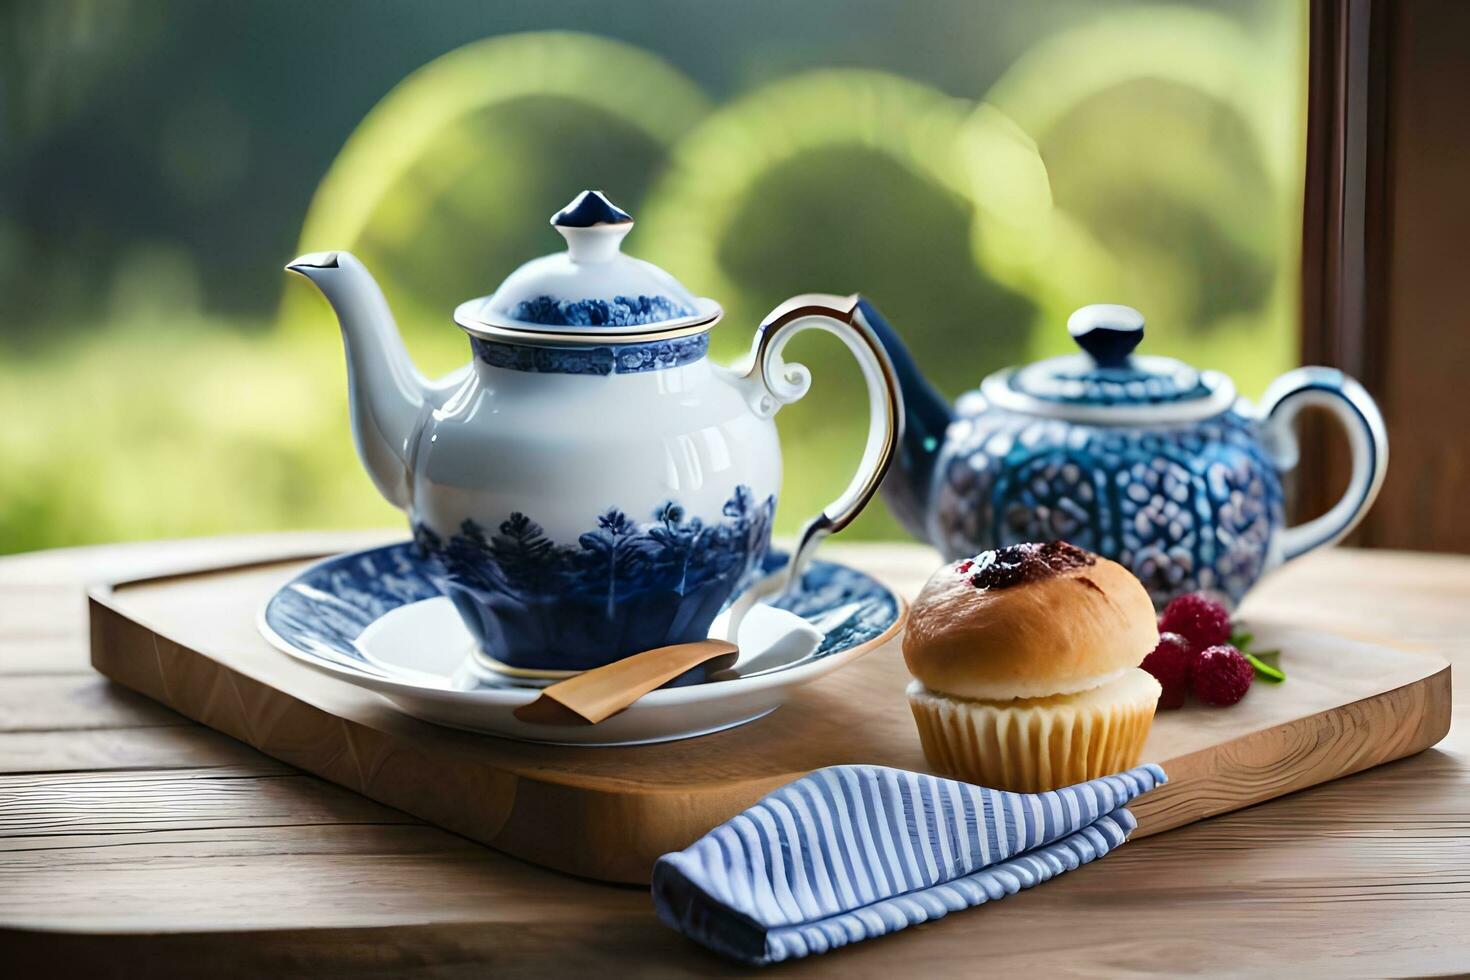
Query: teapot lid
x=591, y=292
x=1108, y=382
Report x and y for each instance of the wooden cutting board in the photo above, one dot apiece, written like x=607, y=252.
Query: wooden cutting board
x=189, y=640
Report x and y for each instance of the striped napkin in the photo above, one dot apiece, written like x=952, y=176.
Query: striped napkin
x=852, y=852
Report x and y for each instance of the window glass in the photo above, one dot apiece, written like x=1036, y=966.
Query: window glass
x=977, y=169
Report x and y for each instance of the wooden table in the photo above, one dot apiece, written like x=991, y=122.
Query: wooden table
x=134, y=841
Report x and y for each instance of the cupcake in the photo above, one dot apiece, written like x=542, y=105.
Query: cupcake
x=1025, y=665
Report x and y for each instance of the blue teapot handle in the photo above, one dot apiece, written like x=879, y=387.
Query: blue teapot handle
x=1327, y=388
x=780, y=383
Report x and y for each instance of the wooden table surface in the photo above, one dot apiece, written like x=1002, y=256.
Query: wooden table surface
x=133, y=841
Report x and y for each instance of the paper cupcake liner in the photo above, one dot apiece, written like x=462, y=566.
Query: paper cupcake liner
x=1037, y=744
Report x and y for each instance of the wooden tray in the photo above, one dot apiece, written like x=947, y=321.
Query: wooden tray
x=189, y=640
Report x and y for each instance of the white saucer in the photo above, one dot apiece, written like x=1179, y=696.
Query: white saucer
x=377, y=619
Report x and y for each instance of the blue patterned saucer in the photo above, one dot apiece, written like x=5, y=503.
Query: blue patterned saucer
x=376, y=619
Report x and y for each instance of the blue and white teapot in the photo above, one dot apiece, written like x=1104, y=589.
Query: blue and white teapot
x=591, y=484
x=1142, y=459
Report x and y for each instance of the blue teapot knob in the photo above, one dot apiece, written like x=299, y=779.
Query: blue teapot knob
x=588, y=209
x=593, y=227
x=1107, y=331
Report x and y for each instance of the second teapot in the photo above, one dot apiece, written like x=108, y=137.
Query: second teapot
x=1143, y=459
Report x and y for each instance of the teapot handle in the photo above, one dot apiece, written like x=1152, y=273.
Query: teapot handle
x=1350, y=403
x=773, y=383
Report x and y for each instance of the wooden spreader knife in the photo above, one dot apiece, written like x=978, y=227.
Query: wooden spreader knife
x=598, y=694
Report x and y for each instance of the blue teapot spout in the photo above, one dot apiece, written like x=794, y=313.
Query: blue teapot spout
x=926, y=416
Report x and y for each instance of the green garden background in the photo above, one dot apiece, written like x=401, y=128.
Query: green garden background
x=976, y=168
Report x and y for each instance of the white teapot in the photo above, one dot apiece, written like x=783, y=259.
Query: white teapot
x=592, y=485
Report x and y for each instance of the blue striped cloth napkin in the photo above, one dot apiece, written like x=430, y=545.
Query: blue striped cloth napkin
x=852, y=852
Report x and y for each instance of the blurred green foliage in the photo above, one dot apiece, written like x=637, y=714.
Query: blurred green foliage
x=977, y=169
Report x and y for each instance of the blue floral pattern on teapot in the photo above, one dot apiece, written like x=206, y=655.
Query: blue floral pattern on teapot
x=1142, y=459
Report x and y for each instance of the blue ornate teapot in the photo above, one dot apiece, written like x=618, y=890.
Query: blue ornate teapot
x=1142, y=459
x=591, y=485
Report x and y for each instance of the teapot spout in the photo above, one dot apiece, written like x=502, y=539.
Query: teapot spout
x=926, y=417
x=386, y=393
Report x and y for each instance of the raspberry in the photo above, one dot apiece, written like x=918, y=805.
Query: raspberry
x=1222, y=675
x=1201, y=621
x=1171, y=663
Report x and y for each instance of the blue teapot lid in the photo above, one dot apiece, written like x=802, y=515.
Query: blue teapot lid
x=1108, y=382
x=590, y=291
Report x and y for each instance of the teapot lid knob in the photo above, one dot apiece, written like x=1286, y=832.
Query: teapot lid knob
x=1107, y=331
x=593, y=227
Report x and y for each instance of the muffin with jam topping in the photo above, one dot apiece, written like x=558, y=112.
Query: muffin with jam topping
x=1025, y=664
